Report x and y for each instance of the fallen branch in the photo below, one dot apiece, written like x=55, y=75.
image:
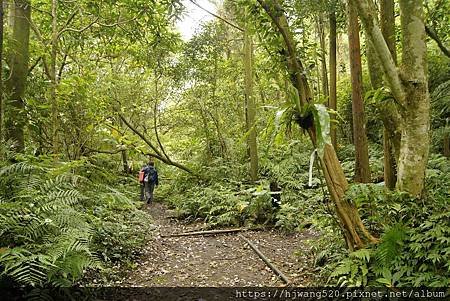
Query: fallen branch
x=266, y=260
x=208, y=232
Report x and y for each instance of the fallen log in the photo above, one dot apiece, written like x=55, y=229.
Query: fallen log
x=266, y=260
x=208, y=232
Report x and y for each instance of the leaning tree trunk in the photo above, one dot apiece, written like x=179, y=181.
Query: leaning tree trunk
x=362, y=169
x=391, y=134
x=16, y=84
x=355, y=233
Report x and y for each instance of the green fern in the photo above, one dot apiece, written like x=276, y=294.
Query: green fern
x=391, y=244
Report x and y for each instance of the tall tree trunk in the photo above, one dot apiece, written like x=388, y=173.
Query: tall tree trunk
x=208, y=146
x=250, y=106
x=124, y=152
x=16, y=85
x=2, y=106
x=415, y=140
x=323, y=60
x=216, y=116
x=53, y=79
x=362, y=169
x=333, y=73
x=355, y=233
x=409, y=87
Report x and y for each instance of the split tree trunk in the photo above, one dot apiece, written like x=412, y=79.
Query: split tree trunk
x=355, y=233
x=362, y=169
x=409, y=87
x=250, y=106
x=19, y=57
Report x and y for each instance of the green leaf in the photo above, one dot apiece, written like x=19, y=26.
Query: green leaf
x=384, y=281
x=322, y=126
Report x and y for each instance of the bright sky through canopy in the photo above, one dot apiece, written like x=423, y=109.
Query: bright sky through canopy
x=194, y=16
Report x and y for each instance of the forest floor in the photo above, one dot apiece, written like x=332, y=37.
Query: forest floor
x=220, y=260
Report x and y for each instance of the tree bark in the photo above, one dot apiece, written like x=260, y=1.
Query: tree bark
x=362, y=169
x=19, y=57
x=388, y=113
x=333, y=74
x=124, y=152
x=409, y=88
x=375, y=70
x=387, y=17
x=53, y=79
x=216, y=116
x=250, y=106
x=2, y=106
x=323, y=61
x=414, y=147
x=446, y=151
x=368, y=14
x=355, y=233
x=391, y=133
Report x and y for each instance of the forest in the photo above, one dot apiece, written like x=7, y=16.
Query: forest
x=314, y=131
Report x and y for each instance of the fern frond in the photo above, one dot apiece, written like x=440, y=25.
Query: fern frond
x=20, y=168
x=391, y=243
x=65, y=197
x=363, y=254
x=24, y=267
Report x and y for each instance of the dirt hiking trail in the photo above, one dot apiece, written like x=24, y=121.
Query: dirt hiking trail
x=221, y=260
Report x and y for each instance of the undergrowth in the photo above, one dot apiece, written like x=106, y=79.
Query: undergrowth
x=220, y=199
x=414, y=233
x=414, y=237
x=59, y=220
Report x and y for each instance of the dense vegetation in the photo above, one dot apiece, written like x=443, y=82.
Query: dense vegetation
x=232, y=117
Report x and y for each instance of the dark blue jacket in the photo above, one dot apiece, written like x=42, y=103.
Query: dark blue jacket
x=147, y=169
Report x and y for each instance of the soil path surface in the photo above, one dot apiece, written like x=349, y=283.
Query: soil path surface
x=219, y=260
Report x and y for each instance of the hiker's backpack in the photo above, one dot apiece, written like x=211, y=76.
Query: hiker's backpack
x=141, y=176
x=150, y=177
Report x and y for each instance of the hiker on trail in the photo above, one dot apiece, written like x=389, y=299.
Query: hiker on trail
x=148, y=178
